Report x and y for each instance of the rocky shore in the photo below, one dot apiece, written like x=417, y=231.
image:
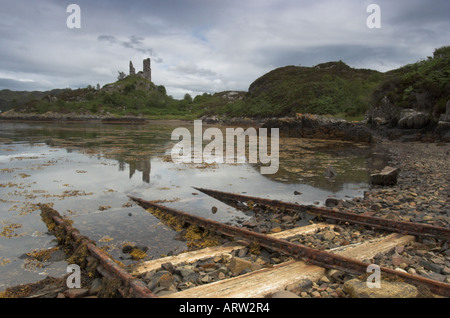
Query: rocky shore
x=70, y=117
x=421, y=194
x=321, y=127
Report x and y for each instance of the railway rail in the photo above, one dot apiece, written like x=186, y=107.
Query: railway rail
x=313, y=256
x=417, y=229
x=68, y=235
x=306, y=259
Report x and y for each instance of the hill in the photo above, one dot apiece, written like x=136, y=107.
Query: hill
x=423, y=86
x=328, y=88
x=131, y=96
x=332, y=88
x=10, y=99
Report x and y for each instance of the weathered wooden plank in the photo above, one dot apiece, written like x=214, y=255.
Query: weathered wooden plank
x=191, y=257
x=186, y=257
x=308, y=229
x=270, y=280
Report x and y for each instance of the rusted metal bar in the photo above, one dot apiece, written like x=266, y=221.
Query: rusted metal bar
x=314, y=256
x=411, y=228
x=135, y=287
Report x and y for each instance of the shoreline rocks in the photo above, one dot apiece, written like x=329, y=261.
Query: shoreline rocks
x=321, y=127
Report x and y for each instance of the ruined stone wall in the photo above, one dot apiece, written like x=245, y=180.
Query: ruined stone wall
x=132, y=70
x=147, y=69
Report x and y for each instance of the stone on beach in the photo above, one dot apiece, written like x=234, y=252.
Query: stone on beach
x=359, y=289
x=386, y=177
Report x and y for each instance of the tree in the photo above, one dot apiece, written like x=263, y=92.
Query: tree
x=162, y=89
x=442, y=52
x=188, y=98
x=121, y=76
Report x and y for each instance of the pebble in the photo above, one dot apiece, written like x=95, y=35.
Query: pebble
x=324, y=279
x=315, y=294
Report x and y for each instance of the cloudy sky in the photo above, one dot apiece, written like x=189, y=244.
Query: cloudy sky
x=199, y=46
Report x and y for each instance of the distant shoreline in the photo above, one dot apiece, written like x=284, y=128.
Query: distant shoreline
x=72, y=118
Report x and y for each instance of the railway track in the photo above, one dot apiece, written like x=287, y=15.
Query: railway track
x=416, y=229
x=304, y=262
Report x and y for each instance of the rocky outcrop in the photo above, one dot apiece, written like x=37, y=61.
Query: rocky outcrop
x=386, y=120
x=51, y=99
x=385, y=113
x=320, y=127
x=411, y=119
x=443, y=126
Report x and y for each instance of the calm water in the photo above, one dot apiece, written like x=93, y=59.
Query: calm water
x=87, y=171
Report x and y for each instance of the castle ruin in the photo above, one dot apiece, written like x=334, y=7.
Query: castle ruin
x=146, y=71
x=132, y=70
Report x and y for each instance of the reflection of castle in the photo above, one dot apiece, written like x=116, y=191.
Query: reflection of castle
x=143, y=166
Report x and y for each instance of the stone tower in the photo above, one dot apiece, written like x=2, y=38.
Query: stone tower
x=132, y=70
x=147, y=69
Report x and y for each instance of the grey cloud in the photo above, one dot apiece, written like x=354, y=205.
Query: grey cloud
x=134, y=43
x=106, y=38
x=209, y=45
x=145, y=51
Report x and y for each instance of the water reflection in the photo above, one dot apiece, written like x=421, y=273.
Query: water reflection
x=143, y=166
x=306, y=161
x=88, y=170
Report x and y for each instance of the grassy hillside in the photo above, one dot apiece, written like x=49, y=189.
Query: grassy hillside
x=424, y=85
x=10, y=99
x=331, y=88
x=328, y=88
x=130, y=96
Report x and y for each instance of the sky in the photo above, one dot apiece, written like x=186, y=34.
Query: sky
x=199, y=46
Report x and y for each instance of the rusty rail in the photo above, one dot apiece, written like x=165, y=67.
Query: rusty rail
x=132, y=286
x=314, y=256
x=416, y=229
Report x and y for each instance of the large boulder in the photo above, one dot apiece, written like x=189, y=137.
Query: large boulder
x=359, y=289
x=411, y=119
x=386, y=177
